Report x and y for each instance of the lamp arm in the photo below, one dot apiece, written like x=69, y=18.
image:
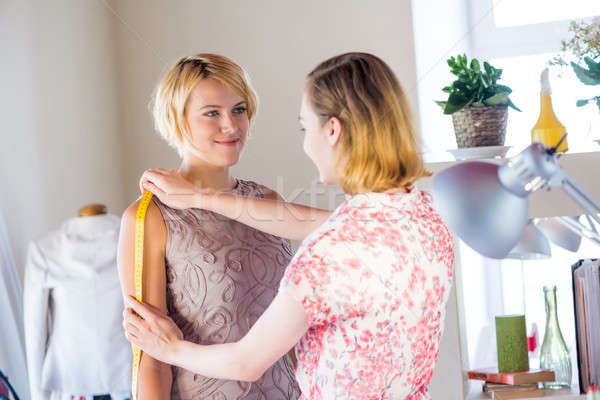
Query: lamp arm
x=580, y=229
x=579, y=195
x=589, y=220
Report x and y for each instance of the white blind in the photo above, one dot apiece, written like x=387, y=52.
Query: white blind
x=12, y=347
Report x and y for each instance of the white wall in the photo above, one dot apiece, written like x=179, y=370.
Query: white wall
x=60, y=148
x=59, y=122
x=278, y=42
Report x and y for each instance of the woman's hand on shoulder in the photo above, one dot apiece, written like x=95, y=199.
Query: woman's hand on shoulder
x=170, y=187
x=270, y=194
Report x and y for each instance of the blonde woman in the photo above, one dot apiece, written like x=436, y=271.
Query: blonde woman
x=364, y=297
x=212, y=275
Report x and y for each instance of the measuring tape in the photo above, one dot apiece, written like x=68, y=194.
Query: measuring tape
x=140, y=217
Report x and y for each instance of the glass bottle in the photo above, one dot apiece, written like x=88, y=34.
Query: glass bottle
x=548, y=129
x=554, y=354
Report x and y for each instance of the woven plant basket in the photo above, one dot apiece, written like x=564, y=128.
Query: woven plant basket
x=480, y=126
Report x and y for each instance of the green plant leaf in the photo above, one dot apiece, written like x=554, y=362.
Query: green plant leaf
x=499, y=99
x=511, y=105
x=483, y=82
x=456, y=102
x=504, y=88
x=592, y=65
x=463, y=87
x=581, y=103
x=488, y=68
x=487, y=80
x=585, y=76
x=441, y=103
x=475, y=67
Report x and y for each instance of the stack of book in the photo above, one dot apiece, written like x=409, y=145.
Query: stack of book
x=586, y=294
x=512, y=385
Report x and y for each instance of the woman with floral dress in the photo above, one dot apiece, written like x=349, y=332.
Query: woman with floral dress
x=364, y=297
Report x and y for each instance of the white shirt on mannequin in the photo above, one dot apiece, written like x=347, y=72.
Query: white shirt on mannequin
x=73, y=304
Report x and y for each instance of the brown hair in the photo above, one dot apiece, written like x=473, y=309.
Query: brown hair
x=174, y=89
x=379, y=145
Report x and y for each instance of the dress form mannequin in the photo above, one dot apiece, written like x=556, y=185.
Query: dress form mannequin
x=74, y=341
x=92, y=209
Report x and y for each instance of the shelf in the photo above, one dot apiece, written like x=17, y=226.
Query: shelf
x=582, y=167
x=561, y=394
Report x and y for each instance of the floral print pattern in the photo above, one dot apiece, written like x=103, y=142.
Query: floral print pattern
x=374, y=281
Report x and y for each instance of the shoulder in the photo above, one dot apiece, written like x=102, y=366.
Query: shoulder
x=319, y=249
x=154, y=222
x=271, y=194
x=251, y=188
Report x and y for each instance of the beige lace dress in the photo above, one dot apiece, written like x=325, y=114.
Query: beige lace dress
x=221, y=276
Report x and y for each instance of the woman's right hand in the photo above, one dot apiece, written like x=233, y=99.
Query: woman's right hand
x=171, y=188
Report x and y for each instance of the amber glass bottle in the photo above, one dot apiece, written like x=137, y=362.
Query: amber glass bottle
x=548, y=129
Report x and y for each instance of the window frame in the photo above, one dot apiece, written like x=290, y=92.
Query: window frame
x=489, y=41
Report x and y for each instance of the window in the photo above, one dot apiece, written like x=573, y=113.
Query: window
x=510, y=13
x=520, y=36
x=510, y=28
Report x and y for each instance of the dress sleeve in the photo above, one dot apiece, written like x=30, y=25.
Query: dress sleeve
x=35, y=304
x=315, y=279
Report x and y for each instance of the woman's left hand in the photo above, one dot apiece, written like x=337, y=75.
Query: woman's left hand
x=170, y=187
x=151, y=330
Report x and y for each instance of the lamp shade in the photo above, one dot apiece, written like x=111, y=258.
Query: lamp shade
x=532, y=246
x=559, y=234
x=478, y=209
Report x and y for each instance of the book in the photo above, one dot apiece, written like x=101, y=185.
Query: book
x=512, y=378
x=517, y=394
x=586, y=297
x=502, y=387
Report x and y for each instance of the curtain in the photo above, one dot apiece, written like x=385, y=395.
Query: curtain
x=12, y=340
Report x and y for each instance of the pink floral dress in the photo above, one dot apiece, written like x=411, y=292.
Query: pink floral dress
x=374, y=281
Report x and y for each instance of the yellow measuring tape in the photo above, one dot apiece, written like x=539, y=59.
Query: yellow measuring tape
x=140, y=218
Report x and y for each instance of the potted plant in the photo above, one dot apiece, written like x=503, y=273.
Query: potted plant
x=584, y=45
x=477, y=103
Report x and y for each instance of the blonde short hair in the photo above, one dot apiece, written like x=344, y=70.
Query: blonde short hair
x=379, y=146
x=173, y=92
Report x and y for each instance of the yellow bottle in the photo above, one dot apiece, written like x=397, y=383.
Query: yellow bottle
x=548, y=129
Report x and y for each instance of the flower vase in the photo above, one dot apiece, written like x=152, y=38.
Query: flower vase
x=554, y=354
